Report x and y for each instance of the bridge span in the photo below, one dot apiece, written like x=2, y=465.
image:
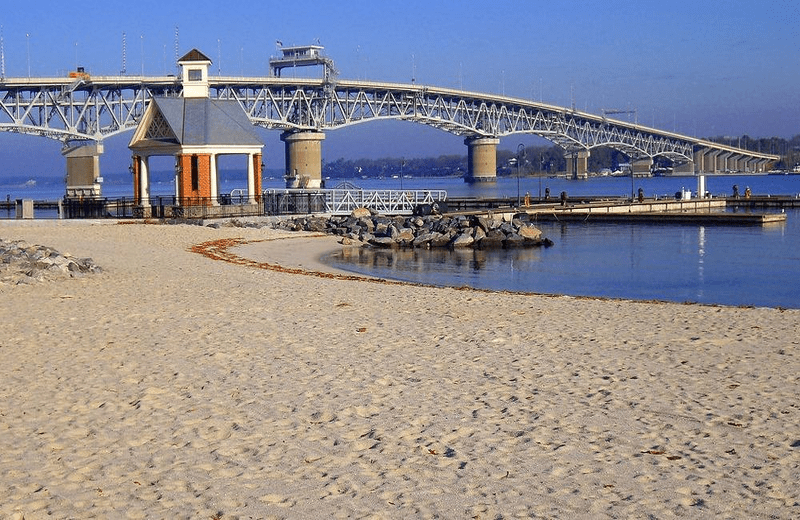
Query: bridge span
x=82, y=111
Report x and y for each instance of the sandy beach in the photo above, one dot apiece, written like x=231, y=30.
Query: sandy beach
x=202, y=375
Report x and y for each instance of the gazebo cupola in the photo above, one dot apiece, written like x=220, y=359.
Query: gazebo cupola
x=194, y=74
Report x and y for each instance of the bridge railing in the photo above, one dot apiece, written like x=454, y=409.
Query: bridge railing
x=344, y=201
x=237, y=204
x=157, y=207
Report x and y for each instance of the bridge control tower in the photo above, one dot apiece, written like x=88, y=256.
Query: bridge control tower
x=302, y=56
x=303, y=148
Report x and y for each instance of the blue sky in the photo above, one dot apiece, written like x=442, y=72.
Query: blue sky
x=700, y=68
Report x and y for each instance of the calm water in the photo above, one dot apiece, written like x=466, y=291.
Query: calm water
x=708, y=264
x=726, y=265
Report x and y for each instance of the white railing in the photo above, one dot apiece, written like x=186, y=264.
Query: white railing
x=344, y=201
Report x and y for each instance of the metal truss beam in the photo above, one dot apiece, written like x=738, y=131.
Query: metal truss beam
x=66, y=109
x=99, y=107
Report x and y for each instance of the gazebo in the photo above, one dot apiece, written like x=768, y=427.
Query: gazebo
x=196, y=130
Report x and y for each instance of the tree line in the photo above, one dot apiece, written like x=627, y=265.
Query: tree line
x=536, y=159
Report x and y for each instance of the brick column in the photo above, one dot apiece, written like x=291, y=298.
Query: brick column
x=194, y=179
x=257, y=176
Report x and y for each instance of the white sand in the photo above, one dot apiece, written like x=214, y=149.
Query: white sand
x=176, y=386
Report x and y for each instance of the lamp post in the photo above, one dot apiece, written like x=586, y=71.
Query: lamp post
x=402, y=163
x=520, y=156
x=632, y=195
x=541, y=171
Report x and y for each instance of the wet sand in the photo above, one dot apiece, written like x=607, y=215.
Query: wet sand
x=177, y=384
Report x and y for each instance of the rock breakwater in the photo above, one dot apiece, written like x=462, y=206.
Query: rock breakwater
x=24, y=263
x=453, y=231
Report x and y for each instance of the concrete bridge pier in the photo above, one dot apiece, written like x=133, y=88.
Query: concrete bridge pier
x=699, y=161
x=758, y=165
x=684, y=167
x=578, y=165
x=83, y=170
x=737, y=163
x=710, y=161
x=481, y=159
x=723, y=162
x=303, y=159
x=642, y=167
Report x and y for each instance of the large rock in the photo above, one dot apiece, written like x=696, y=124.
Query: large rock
x=23, y=263
x=366, y=223
x=361, y=213
x=442, y=240
x=382, y=229
x=426, y=239
x=464, y=239
x=513, y=240
x=530, y=233
x=405, y=236
x=317, y=224
x=493, y=239
x=382, y=242
x=483, y=223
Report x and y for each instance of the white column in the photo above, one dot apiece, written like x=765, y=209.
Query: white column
x=177, y=177
x=144, y=180
x=213, y=174
x=216, y=176
x=251, y=180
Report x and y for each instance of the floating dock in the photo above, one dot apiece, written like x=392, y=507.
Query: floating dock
x=703, y=212
x=692, y=218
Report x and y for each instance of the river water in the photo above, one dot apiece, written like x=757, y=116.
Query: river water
x=729, y=265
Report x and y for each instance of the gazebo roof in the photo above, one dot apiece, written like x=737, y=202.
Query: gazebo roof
x=194, y=122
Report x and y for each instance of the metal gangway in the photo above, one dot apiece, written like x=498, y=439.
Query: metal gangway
x=343, y=200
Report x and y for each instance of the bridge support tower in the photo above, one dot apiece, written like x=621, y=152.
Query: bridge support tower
x=481, y=159
x=83, y=170
x=578, y=165
x=642, y=167
x=303, y=159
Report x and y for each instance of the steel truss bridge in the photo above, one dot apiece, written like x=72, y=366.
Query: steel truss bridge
x=90, y=109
